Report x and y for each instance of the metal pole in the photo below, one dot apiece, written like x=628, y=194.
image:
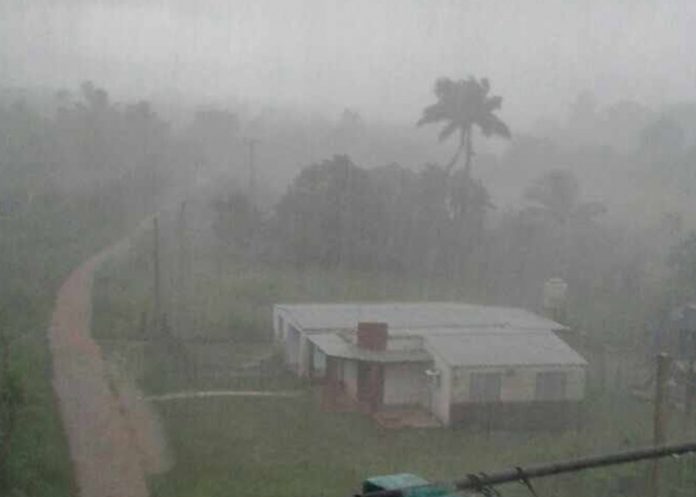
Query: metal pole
x=664, y=363
x=477, y=481
x=156, y=275
x=689, y=385
x=252, y=171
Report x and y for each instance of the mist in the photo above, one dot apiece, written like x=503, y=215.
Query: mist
x=323, y=56
x=314, y=247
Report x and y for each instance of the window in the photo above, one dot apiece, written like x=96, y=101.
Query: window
x=551, y=385
x=485, y=387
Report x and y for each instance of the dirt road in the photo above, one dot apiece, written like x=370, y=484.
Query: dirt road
x=113, y=437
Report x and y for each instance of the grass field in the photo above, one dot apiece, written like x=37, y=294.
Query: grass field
x=289, y=447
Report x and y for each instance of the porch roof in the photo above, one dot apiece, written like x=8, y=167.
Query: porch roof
x=335, y=345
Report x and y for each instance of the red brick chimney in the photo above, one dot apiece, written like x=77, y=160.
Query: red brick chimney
x=372, y=336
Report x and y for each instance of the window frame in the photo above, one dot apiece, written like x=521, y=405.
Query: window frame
x=485, y=386
x=551, y=386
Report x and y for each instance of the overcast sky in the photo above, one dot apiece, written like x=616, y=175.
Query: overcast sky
x=378, y=56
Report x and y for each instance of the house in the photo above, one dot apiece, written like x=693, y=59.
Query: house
x=464, y=364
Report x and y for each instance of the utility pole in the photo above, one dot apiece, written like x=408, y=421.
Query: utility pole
x=664, y=363
x=690, y=385
x=252, y=192
x=156, y=274
x=183, y=271
x=251, y=142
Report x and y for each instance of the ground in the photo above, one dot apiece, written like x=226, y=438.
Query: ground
x=113, y=437
x=289, y=446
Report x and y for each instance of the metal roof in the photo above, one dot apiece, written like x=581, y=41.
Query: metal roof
x=464, y=330
x=335, y=345
x=414, y=316
x=504, y=349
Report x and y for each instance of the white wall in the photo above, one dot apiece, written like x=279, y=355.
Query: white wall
x=279, y=331
x=319, y=362
x=304, y=356
x=519, y=384
x=292, y=346
x=440, y=392
x=405, y=384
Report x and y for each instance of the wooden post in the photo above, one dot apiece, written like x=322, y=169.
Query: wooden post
x=156, y=274
x=664, y=363
x=602, y=368
x=252, y=171
x=183, y=270
x=690, y=385
x=689, y=390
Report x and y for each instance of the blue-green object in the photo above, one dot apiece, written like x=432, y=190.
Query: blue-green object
x=405, y=481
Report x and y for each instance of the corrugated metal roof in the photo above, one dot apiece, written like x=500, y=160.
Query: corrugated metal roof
x=415, y=316
x=504, y=349
x=335, y=345
x=463, y=330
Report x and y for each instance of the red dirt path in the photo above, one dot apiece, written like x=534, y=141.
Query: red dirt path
x=108, y=432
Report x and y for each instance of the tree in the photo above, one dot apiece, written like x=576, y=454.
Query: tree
x=12, y=399
x=663, y=138
x=331, y=215
x=558, y=234
x=556, y=195
x=462, y=105
x=682, y=262
x=237, y=221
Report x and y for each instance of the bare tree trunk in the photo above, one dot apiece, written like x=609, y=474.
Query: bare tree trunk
x=469, y=153
x=464, y=141
x=10, y=410
x=450, y=165
x=465, y=144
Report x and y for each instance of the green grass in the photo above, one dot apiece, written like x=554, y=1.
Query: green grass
x=290, y=447
x=39, y=245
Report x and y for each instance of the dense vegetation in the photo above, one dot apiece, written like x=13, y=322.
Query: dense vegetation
x=64, y=194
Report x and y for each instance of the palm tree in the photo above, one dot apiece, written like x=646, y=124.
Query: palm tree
x=463, y=104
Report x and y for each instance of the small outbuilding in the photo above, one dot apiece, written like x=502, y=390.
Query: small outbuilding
x=464, y=364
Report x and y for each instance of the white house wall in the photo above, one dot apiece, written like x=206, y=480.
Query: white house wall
x=280, y=321
x=519, y=384
x=319, y=362
x=440, y=390
x=304, y=359
x=405, y=384
x=292, y=346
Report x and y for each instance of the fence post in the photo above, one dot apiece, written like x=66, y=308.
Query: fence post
x=664, y=362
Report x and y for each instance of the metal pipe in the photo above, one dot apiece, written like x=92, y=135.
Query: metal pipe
x=478, y=481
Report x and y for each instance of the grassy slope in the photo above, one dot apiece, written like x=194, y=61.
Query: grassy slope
x=289, y=448
x=39, y=246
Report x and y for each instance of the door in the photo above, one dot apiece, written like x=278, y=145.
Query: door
x=370, y=384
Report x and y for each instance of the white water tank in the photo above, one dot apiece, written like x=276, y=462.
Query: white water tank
x=555, y=294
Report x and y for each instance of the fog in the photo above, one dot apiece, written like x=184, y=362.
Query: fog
x=323, y=56
x=285, y=248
